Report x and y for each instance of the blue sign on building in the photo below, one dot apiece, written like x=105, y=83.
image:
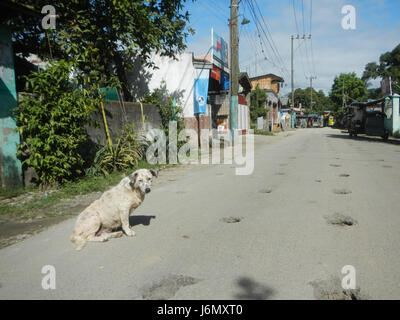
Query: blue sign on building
x=200, y=91
x=224, y=81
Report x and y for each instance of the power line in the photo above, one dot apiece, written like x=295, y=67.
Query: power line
x=261, y=30
x=259, y=50
x=269, y=32
x=304, y=52
x=210, y=9
x=298, y=37
x=261, y=43
x=295, y=16
x=304, y=33
x=311, y=43
x=302, y=13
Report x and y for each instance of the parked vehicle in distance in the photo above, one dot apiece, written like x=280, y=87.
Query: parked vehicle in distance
x=376, y=124
x=326, y=115
x=356, y=117
x=375, y=118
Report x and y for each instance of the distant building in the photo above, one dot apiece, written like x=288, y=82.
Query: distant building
x=271, y=84
x=268, y=81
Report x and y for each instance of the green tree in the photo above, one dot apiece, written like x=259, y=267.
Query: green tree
x=389, y=66
x=301, y=96
x=104, y=35
x=51, y=123
x=371, y=71
x=354, y=90
x=258, y=99
x=320, y=101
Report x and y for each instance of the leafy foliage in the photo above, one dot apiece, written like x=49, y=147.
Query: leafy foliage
x=388, y=66
x=169, y=110
x=125, y=153
x=168, y=104
x=320, y=101
x=258, y=99
x=51, y=124
x=104, y=35
x=263, y=132
x=354, y=90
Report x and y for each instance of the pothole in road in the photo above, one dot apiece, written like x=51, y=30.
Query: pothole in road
x=335, y=165
x=231, y=219
x=168, y=287
x=341, y=191
x=341, y=220
x=344, y=175
x=265, y=190
x=292, y=158
x=331, y=289
x=280, y=173
x=386, y=166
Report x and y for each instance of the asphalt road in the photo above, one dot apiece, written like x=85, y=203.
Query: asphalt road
x=284, y=246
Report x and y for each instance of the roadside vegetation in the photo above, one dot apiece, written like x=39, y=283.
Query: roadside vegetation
x=35, y=202
x=263, y=132
x=85, y=52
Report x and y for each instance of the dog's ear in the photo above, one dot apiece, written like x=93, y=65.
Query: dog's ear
x=133, y=177
x=154, y=173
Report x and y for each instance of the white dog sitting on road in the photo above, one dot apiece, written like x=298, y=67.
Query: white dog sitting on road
x=99, y=221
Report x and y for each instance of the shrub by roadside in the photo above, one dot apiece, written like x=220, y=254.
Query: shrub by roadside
x=264, y=132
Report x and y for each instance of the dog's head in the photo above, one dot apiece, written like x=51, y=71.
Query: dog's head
x=141, y=180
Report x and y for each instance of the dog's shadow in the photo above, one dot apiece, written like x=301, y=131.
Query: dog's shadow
x=144, y=220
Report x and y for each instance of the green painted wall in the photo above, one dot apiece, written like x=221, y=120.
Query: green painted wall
x=396, y=116
x=10, y=166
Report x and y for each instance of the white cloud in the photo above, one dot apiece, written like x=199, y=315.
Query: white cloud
x=335, y=50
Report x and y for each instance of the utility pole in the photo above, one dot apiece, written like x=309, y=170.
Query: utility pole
x=292, y=71
x=234, y=85
x=292, y=55
x=311, y=79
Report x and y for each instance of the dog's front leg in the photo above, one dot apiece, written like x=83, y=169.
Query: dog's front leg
x=125, y=223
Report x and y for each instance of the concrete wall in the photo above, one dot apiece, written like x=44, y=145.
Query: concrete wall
x=396, y=115
x=116, y=114
x=178, y=76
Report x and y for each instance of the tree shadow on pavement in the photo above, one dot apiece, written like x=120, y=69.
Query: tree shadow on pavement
x=365, y=138
x=252, y=290
x=144, y=220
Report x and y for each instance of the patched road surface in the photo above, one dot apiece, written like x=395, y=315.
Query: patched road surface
x=317, y=201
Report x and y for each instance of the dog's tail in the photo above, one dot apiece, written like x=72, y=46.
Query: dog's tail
x=79, y=241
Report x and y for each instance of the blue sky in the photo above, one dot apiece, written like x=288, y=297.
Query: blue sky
x=331, y=51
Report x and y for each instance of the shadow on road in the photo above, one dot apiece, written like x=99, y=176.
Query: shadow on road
x=252, y=290
x=144, y=220
x=364, y=138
